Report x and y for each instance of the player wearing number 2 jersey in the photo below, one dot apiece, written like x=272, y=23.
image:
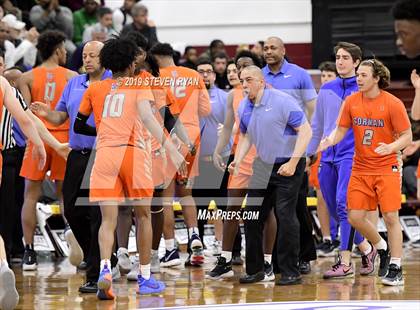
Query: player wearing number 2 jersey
x=122, y=167
x=336, y=161
x=381, y=128
x=45, y=84
x=193, y=102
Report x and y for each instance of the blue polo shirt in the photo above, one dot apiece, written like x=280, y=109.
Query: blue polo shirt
x=70, y=102
x=293, y=80
x=270, y=125
x=209, y=124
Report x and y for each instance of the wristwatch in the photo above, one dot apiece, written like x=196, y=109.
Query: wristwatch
x=192, y=149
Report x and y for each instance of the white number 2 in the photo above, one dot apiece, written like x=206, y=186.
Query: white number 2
x=368, y=136
x=113, y=106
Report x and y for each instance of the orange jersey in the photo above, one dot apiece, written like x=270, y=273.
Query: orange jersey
x=246, y=165
x=192, y=99
x=374, y=121
x=47, y=87
x=116, y=114
x=162, y=97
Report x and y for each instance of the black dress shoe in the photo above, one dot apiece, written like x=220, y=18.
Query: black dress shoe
x=83, y=266
x=289, y=280
x=304, y=267
x=259, y=276
x=237, y=260
x=89, y=287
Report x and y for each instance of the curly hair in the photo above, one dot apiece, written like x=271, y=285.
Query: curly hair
x=245, y=53
x=406, y=9
x=48, y=42
x=378, y=70
x=118, y=54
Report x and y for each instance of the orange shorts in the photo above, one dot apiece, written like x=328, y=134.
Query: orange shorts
x=121, y=172
x=313, y=174
x=192, y=167
x=365, y=192
x=239, y=181
x=54, y=163
x=418, y=170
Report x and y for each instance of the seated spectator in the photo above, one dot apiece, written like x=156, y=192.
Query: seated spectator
x=140, y=23
x=83, y=18
x=257, y=49
x=104, y=26
x=49, y=15
x=17, y=51
x=122, y=16
x=190, y=58
x=216, y=46
x=10, y=8
x=220, y=64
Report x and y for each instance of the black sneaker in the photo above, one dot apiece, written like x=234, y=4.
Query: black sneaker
x=90, y=287
x=29, y=260
x=222, y=269
x=336, y=244
x=384, y=258
x=289, y=280
x=304, y=267
x=259, y=276
x=171, y=258
x=326, y=249
x=237, y=260
x=394, y=277
x=269, y=274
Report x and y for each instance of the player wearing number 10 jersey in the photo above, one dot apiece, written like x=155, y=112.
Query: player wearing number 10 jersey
x=122, y=167
x=381, y=129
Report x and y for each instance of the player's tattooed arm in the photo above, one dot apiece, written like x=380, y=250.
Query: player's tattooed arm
x=81, y=126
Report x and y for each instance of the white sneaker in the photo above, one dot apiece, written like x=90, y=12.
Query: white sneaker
x=75, y=251
x=155, y=263
x=215, y=249
x=116, y=274
x=9, y=297
x=124, y=260
x=132, y=275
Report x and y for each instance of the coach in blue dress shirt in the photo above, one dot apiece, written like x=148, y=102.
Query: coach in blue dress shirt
x=296, y=82
x=211, y=183
x=83, y=220
x=276, y=125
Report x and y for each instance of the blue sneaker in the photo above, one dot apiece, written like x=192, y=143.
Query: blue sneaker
x=171, y=258
x=105, y=285
x=150, y=286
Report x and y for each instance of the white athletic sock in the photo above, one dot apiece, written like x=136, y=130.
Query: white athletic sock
x=267, y=258
x=396, y=261
x=381, y=245
x=327, y=238
x=106, y=262
x=154, y=251
x=3, y=262
x=369, y=249
x=227, y=255
x=145, y=271
x=192, y=230
x=170, y=244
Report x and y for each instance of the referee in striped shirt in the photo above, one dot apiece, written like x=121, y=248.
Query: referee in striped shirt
x=12, y=152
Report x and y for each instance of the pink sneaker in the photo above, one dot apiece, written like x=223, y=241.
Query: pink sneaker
x=339, y=270
x=368, y=263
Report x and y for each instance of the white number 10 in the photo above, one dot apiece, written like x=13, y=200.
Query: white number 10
x=113, y=106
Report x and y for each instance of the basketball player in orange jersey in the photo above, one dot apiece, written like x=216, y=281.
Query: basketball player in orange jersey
x=193, y=101
x=9, y=296
x=122, y=167
x=45, y=84
x=238, y=184
x=381, y=129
